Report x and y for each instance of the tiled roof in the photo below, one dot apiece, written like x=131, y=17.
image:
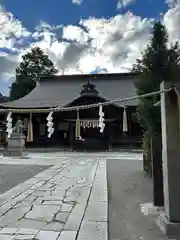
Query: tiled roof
x=56, y=91
x=3, y=98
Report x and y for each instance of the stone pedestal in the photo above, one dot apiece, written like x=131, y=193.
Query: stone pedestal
x=16, y=146
x=169, y=222
x=171, y=229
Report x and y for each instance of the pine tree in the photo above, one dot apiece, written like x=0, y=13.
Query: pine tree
x=159, y=62
x=34, y=64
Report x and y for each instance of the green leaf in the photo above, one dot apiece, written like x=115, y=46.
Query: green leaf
x=35, y=63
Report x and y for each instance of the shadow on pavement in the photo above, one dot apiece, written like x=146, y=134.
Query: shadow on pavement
x=12, y=175
x=128, y=187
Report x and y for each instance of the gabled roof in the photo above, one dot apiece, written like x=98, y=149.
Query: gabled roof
x=54, y=91
x=3, y=98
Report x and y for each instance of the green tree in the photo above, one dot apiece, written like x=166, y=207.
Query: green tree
x=159, y=62
x=34, y=64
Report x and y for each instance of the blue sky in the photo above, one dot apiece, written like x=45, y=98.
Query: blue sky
x=65, y=12
x=81, y=35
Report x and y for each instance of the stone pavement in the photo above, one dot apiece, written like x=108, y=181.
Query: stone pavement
x=68, y=201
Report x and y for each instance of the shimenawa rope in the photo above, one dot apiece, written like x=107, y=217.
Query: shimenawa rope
x=83, y=107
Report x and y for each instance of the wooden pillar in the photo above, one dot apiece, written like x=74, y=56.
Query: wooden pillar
x=110, y=136
x=169, y=222
x=157, y=173
x=129, y=116
x=70, y=136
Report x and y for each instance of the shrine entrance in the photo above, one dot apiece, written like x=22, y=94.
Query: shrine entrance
x=90, y=136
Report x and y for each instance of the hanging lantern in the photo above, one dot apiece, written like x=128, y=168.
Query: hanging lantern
x=30, y=130
x=78, y=126
x=101, y=119
x=9, y=128
x=125, y=125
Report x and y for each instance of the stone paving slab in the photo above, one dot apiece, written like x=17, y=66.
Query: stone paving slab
x=68, y=235
x=6, y=237
x=93, y=230
x=46, y=235
x=58, y=203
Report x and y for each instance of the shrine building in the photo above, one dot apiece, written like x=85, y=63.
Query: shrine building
x=76, y=90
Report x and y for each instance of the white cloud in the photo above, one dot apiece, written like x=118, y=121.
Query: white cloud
x=77, y=1
x=124, y=3
x=172, y=3
x=171, y=20
x=10, y=29
x=75, y=33
x=111, y=45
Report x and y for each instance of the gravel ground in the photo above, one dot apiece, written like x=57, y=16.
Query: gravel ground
x=13, y=175
x=128, y=188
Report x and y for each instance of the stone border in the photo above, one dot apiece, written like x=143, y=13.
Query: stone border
x=95, y=221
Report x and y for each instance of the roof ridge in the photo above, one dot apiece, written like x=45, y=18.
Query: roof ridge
x=88, y=76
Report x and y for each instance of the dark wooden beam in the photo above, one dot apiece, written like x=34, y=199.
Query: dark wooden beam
x=157, y=172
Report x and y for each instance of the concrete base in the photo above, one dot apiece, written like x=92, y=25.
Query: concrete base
x=15, y=153
x=170, y=229
x=16, y=146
